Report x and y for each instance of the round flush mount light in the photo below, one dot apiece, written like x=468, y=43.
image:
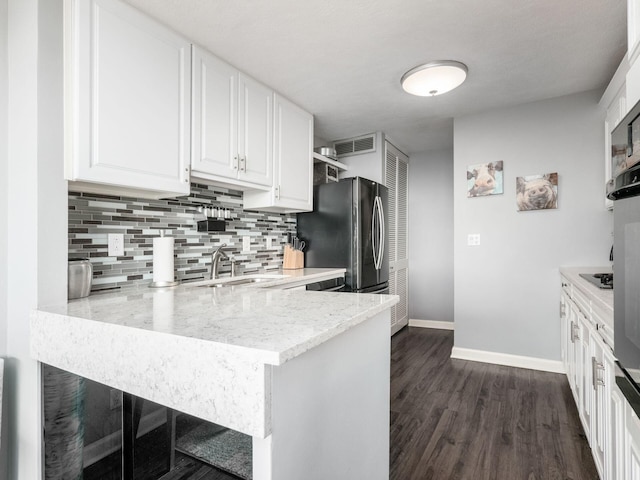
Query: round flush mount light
x=434, y=78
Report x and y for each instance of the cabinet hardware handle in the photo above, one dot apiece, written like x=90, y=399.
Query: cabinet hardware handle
x=243, y=162
x=235, y=163
x=596, y=367
x=574, y=332
x=571, y=333
x=278, y=192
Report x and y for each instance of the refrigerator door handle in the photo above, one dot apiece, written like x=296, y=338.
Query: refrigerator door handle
x=374, y=247
x=382, y=232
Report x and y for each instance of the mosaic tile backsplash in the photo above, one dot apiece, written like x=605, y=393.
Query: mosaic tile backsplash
x=92, y=217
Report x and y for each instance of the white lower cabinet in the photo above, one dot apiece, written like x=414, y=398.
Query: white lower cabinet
x=599, y=391
x=632, y=445
x=611, y=426
x=615, y=455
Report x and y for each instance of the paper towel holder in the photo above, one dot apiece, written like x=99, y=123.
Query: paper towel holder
x=163, y=284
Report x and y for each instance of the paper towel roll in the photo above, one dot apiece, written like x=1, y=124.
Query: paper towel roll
x=163, y=259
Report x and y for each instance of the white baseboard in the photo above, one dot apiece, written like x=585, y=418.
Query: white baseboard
x=105, y=446
x=431, y=324
x=532, y=363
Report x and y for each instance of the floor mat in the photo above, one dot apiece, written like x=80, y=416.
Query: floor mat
x=219, y=446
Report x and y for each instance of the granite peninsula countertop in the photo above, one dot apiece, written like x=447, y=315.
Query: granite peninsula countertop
x=176, y=345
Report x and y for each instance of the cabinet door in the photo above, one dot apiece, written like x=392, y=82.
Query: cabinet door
x=128, y=99
x=633, y=30
x=215, y=122
x=632, y=445
x=573, y=351
x=398, y=285
x=293, y=146
x=255, y=131
x=599, y=392
x=396, y=172
x=586, y=375
x=615, y=455
x=564, y=332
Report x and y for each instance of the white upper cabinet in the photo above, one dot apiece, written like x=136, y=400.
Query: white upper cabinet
x=633, y=30
x=127, y=101
x=232, y=125
x=292, y=189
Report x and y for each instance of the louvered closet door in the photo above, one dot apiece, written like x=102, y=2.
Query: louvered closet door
x=396, y=180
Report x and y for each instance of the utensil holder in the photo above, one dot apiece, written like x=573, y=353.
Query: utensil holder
x=293, y=259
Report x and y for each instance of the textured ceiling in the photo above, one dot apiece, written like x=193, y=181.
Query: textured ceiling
x=342, y=59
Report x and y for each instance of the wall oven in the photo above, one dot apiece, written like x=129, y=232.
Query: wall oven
x=625, y=141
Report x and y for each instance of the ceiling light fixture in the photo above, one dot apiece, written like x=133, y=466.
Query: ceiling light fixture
x=434, y=78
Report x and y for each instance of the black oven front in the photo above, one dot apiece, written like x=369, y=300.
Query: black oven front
x=625, y=141
x=626, y=290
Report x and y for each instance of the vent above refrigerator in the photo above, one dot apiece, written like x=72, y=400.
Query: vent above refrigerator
x=356, y=145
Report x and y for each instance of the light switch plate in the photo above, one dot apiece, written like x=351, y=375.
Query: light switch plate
x=246, y=244
x=116, y=244
x=269, y=243
x=473, y=240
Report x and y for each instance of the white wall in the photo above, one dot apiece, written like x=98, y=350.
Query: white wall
x=507, y=289
x=37, y=213
x=431, y=236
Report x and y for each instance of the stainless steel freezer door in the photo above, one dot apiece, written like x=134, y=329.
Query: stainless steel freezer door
x=364, y=231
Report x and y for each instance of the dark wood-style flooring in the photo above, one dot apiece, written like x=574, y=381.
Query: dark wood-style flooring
x=454, y=419
x=458, y=420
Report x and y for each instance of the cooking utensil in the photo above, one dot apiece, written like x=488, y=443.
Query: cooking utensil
x=327, y=152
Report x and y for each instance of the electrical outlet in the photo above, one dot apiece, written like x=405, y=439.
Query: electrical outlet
x=246, y=244
x=116, y=244
x=473, y=239
x=115, y=399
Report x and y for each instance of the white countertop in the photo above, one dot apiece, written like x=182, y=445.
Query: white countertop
x=268, y=325
x=198, y=349
x=603, y=298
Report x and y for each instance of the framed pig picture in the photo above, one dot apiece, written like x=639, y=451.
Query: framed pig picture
x=537, y=192
x=484, y=179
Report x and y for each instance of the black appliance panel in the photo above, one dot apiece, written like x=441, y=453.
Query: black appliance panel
x=347, y=229
x=626, y=300
x=327, y=231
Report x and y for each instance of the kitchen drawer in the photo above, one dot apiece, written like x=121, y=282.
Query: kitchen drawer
x=583, y=303
x=604, y=324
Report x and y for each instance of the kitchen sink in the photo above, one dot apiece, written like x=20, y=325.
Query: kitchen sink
x=237, y=281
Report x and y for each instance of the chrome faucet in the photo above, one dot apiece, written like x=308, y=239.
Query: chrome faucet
x=215, y=260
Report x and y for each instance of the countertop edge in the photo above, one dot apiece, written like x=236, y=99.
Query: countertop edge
x=602, y=298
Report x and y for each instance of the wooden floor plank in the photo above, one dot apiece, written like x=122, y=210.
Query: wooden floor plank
x=454, y=419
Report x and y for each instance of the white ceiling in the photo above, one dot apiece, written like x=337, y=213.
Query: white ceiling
x=342, y=59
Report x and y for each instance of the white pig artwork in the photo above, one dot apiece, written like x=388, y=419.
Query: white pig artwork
x=537, y=192
x=484, y=179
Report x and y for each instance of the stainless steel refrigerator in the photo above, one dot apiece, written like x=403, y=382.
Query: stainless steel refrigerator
x=348, y=228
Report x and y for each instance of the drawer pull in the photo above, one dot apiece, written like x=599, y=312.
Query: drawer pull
x=596, y=368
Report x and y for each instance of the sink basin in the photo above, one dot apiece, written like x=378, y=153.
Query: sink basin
x=236, y=281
